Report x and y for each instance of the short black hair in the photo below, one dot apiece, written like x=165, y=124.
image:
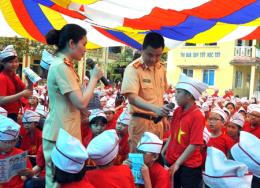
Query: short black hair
x=7, y=59
x=97, y=119
x=137, y=54
x=155, y=40
x=61, y=176
x=231, y=104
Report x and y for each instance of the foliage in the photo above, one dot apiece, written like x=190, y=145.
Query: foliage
x=115, y=69
x=24, y=46
x=257, y=45
x=164, y=57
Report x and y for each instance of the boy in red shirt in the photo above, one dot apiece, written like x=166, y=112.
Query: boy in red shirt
x=103, y=149
x=235, y=126
x=97, y=124
x=31, y=136
x=216, y=120
x=111, y=121
x=9, y=131
x=153, y=173
x=183, y=146
x=32, y=102
x=253, y=126
x=231, y=106
x=122, y=132
x=12, y=88
x=38, y=179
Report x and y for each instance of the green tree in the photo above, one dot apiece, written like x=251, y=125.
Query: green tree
x=124, y=59
x=24, y=46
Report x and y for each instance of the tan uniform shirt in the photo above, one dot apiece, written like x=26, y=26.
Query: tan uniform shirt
x=63, y=114
x=148, y=82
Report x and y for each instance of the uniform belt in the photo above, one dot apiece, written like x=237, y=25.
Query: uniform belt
x=145, y=116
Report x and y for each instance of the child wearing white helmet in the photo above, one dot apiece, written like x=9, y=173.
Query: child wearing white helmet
x=152, y=171
x=235, y=125
x=122, y=132
x=9, y=131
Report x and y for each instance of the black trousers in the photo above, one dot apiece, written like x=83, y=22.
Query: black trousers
x=35, y=182
x=187, y=177
x=13, y=116
x=255, y=182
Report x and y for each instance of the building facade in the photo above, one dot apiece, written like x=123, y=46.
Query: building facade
x=229, y=65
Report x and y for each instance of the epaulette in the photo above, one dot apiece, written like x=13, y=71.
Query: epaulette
x=70, y=64
x=162, y=63
x=137, y=64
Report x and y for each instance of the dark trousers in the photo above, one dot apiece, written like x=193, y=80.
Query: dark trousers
x=255, y=182
x=13, y=116
x=35, y=182
x=187, y=177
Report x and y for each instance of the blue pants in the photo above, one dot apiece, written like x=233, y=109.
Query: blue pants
x=35, y=183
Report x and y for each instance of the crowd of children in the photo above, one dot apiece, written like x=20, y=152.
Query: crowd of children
x=103, y=152
x=208, y=139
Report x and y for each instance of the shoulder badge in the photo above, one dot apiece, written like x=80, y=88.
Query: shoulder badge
x=70, y=64
x=137, y=64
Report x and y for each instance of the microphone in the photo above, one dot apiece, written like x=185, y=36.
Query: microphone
x=91, y=64
x=159, y=118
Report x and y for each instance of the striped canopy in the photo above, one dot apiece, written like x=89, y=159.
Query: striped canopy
x=125, y=22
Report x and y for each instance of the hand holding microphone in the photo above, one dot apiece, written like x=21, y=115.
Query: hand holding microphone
x=169, y=107
x=94, y=68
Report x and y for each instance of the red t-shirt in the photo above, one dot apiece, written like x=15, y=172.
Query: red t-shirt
x=111, y=124
x=222, y=142
x=123, y=150
x=215, y=95
x=16, y=181
x=84, y=183
x=228, y=95
x=84, y=130
x=31, y=144
x=255, y=131
x=88, y=137
x=118, y=113
x=160, y=177
x=186, y=128
x=40, y=161
x=166, y=135
x=223, y=129
x=8, y=83
x=113, y=176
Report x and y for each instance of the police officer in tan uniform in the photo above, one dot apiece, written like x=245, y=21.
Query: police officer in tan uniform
x=65, y=95
x=144, y=84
